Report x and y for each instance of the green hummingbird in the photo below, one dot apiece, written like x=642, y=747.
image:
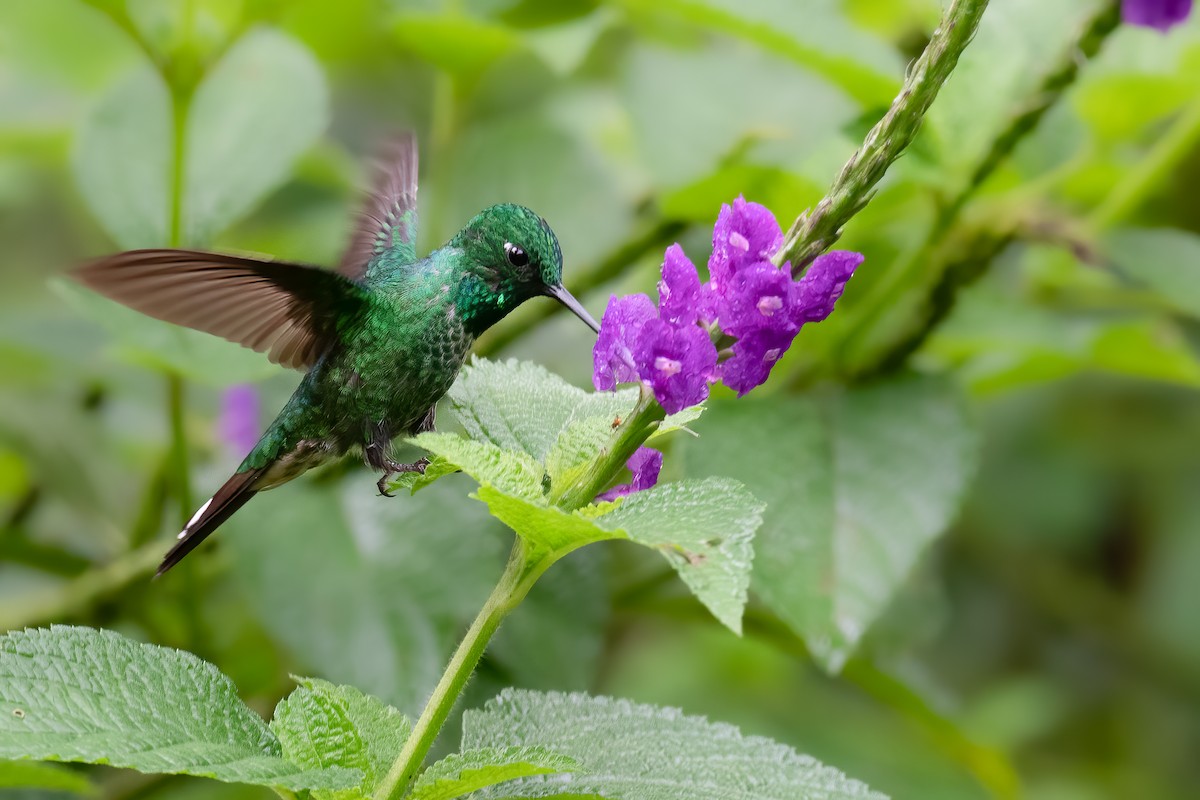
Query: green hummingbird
x=382, y=338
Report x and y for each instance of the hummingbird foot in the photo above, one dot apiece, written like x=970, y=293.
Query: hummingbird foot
x=393, y=468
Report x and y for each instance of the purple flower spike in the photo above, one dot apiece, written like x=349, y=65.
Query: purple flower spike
x=753, y=357
x=760, y=297
x=745, y=233
x=823, y=284
x=676, y=362
x=681, y=298
x=645, y=464
x=1160, y=14
x=612, y=358
x=238, y=425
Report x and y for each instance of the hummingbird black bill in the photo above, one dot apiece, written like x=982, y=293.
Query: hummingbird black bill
x=561, y=294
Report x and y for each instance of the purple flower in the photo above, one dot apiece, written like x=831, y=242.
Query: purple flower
x=1160, y=14
x=745, y=233
x=759, y=297
x=681, y=298
x=822, y=285
x=612, y=360
x=238, y=425
x=676, y=362
x=645, y=464
x=753, y=357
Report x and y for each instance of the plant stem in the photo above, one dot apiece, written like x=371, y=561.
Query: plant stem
x=814, y=233
x=519, y=576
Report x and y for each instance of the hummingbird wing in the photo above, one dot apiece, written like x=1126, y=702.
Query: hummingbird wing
x=388, y=219
x=288, y=311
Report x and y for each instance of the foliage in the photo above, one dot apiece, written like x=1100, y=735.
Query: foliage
x=955, y=528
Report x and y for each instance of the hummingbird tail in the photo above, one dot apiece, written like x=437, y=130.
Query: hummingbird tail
x=236, y=492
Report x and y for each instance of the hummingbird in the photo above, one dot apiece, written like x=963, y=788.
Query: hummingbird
x=381, y=339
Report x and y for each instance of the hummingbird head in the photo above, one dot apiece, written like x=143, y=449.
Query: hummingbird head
x=512, y=255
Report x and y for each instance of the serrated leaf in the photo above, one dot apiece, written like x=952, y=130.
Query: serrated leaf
x=122, y=160
x=855, y=492
x=459, y=774
x=50, y=777
x=414, y=482
x=522, y=406
x=513, y=473
x=641, y=751
x=255, y=112
x=705, y=530
x=322, y=725
x=77, y=694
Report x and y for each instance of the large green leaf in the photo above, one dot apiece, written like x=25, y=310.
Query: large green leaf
x=122, y=160
x=644, y=752
x=259, y=109
x=77, y=694
x=459, y=774
x=855, y=490
x=513, y=473
x=322, y=725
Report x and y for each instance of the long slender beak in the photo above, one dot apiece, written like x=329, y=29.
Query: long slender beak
x=561, y=294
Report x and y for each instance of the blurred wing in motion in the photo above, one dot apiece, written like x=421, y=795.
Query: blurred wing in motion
x=388, y=220
x=288, y=311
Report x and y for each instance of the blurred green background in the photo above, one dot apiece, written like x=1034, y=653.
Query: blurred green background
x=977, y=578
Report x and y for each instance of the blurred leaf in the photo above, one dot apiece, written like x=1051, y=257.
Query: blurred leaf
x=1120, y=107
x=363, y=589
x=33, y=775
x=321, y=725
x=122, y=161
x=775, y=188
x=632, y=750
x=155, y=344
x=461, y=45
x=78, y=694
x=252, y=116
x=855, y=490
x=523, y=158
x=1166, y=260
x=459, y=774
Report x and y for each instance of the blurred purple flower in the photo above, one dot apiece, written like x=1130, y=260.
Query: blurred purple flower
x=1160, y=14
x=745, y=233
x=645, y=464
x=676, y=362
x=612, y=359
x=238, y=425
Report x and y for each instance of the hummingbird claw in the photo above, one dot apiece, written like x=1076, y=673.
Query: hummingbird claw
x=393, y=468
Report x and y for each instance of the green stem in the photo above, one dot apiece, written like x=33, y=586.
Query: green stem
x=520, y=574
x=627, y=438
x=814, y=233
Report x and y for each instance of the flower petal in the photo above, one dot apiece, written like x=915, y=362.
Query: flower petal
x=676, y=362
x=822, y=285
x=1159, y=14
x=612, y=360
x=746, y=233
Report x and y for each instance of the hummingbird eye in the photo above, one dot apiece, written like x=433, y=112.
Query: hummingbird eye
x=516, y=256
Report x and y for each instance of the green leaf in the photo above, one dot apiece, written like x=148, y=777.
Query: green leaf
x=322, y=725
x=459, y=44
x=855, y=492
x=51, y=777
x=522, y=406
x=705, y=530
x=640, y=751
x=122, y=161
x=459, y=774
x=437, y=467
x=1165, y=260
x=252, y=116
x=77, y=694
x=512, y=473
